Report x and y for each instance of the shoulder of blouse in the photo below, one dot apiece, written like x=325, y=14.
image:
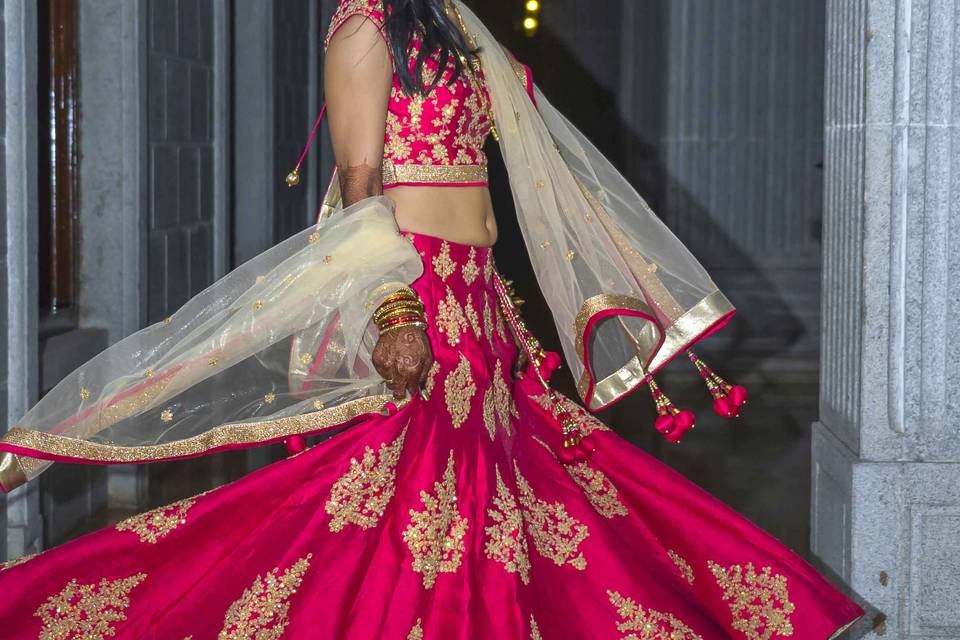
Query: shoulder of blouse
x=523, y=72
x=370, y=9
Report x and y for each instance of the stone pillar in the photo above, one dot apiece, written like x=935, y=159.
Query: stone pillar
x=886, y=451
x=18, y=188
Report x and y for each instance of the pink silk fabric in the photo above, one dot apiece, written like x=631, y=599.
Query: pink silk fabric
x=449, y=519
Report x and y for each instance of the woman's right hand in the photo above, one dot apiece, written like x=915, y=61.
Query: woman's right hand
x=403, y=357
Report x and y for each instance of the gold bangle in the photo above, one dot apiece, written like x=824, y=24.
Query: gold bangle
x=418, y=324
x=405, y=304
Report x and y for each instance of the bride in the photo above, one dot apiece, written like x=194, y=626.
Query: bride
x=454, y=494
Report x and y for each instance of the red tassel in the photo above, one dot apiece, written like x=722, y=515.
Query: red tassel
x=727, y=399
x=672, y=423
x=295, y=444
x=577, y=447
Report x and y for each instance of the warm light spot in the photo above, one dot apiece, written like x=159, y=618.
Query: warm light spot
x=533, y=5
x=530, y=23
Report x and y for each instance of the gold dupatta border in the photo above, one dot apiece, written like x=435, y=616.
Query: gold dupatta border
x=699, y=320
x=14, y=467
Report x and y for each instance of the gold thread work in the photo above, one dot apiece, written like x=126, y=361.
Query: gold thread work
x=435, y=533
x=506, y=541
x=262, y=612
x=649, y=624
x=87, y=611
x=759, y=600
x=154, y=525
x=361, y=495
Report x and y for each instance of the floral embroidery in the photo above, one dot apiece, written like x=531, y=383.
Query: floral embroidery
x=534, y=630
x=682, y=565
x=261, y=612
x=451, y=320
x=488, y=322
x=506, y=542
x=759, y=601
x=435, y=534
x=443, y=265
x=154, y=525
x=472, y=316
x=431, y=378
x=498, y=405
x=651, y=624
x=501, y=328
x=87, y=611
x=600, y=491
x=470, y=270
x=557, y=404
x=459, y=389
x=488, y=267
x=417, y=632
x=362, y=494
x=556, y=535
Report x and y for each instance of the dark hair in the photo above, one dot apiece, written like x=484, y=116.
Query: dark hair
x=440, y=37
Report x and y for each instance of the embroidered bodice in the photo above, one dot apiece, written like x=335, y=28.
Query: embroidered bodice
x=430, y=140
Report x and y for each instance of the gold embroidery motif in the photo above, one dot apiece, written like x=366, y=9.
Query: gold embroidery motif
x=598, y=489
x=498, y=405
x=506, y=542
x=261, y=612
x=166, y=415
x=501, y=328
x=472, y=316
x=362, y=494
x=451, y=320
x=459, y=389
x=759, y=601
x=443, y=265
x=10, y=564
x=153, y=525
x=435, y=534
x=87, y=611
x=651, y=624
x=488, y=322
x=488, y=268
x=534, y=630
x=431, y=378
x=682, y=565
x=470, y=270
x=557, y=403
x=417, y=632
x=556, y=535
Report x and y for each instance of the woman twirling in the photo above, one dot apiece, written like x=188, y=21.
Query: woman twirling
x=457, y=495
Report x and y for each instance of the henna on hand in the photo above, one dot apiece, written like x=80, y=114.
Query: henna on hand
x=403, y=357
x=359, y=182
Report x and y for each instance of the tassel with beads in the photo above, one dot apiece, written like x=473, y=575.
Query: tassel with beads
x=728, y=399
x=672, y=423
x=577, y=447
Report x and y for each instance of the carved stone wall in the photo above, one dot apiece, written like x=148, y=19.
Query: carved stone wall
x=886, y=452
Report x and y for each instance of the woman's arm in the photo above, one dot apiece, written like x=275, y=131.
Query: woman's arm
x=358, y=75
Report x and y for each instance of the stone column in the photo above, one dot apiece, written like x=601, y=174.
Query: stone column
x=18, y=188
x=886, y=451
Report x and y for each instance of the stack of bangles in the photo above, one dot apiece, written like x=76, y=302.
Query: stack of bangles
x=401, y=309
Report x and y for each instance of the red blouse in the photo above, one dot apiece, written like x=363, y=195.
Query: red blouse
x=434, y=140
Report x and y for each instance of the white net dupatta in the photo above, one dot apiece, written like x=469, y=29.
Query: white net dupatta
x=626, y=294
x=280, y=346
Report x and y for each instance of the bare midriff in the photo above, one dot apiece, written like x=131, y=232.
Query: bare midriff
x=459, y=214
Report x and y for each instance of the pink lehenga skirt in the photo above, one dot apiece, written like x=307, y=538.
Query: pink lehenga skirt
x=450, y=518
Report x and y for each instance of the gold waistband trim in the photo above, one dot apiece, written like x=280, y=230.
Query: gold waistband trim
x=432, y=173
x=242, y=434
